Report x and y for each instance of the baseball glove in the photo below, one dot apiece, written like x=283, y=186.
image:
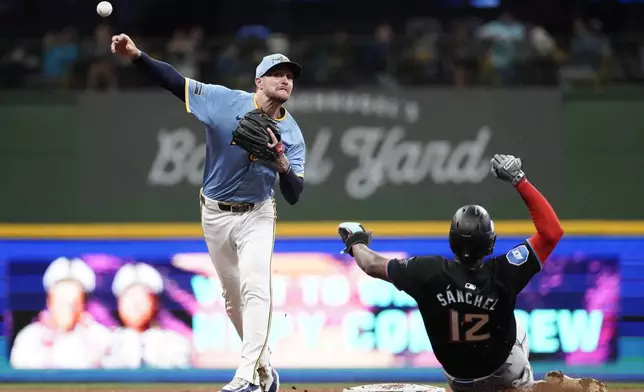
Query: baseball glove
x=258, y=134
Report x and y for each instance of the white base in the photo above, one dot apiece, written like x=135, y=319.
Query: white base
x=394, y=387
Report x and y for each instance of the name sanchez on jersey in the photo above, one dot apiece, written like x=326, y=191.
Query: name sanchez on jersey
x=457, y=296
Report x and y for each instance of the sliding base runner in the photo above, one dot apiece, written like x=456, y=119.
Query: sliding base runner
x=395, y=387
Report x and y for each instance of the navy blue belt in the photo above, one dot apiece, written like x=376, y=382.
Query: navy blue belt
x=230, y=207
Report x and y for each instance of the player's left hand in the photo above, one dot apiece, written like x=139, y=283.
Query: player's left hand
x=353, y=233
x=259, y=135
x=507, y=168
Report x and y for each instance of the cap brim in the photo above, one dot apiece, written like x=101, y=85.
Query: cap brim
x=294, y=67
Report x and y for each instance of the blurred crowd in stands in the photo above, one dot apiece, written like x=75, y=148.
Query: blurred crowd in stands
x=466, y=51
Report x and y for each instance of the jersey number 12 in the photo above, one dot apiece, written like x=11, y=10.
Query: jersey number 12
x=474, y=323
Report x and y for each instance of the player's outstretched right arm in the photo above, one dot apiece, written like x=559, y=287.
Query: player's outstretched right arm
x=202, y=100
x=159, y=72
x=546, y=222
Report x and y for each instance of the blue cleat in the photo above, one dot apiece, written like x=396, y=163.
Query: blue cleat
x=269, y=379
x=240, y=385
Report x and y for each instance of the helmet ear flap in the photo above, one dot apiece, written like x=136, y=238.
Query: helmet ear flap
x=491, y=250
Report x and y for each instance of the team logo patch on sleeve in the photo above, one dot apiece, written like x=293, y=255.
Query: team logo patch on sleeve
x=198, y=88
x=518, y=255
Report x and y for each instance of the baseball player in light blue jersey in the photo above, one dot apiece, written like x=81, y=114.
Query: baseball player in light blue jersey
x=237, y=206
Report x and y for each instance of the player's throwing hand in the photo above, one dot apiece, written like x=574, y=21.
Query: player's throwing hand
x=507, y=168
x=124, y=46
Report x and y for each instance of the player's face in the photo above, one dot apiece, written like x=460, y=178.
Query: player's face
x=277, y=84
x=66, y=303
x=136, y=307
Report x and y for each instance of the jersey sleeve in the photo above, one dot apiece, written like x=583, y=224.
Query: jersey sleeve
x=204, y=100
x=410, y=274
x=296, y=156
x=518, y=266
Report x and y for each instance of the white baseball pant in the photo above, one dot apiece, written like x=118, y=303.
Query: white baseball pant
x=516, y=372
x=240, y=245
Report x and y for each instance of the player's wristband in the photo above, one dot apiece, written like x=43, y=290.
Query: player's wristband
x=288, y=171
x=360, y=237
x=519, y=180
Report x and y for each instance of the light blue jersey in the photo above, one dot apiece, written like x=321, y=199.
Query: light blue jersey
x=229, y=174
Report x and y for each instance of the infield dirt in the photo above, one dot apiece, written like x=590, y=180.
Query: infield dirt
x=214, y=388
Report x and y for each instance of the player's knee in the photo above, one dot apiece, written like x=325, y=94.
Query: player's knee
x=256, y=288
x=232, y=299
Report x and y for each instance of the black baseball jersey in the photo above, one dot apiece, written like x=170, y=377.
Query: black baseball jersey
x=468, y=313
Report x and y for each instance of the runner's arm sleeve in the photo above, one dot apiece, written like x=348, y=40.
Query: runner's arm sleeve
x=546, y=222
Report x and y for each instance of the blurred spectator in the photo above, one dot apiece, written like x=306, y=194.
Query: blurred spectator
x=461, y=53
x=60, y=52
x=182, y=51
x=253, y=43
x=228, y=67
x=381, y=56
x=471, y=52
x=15, y=66
x=589, y=55
x=278, y=43
x=627, y=62
x=421, y=54
x=101, y=62
x=340, y=59
x=241, y=56
x=254, y=31
x=504, y=36
x=544, y=57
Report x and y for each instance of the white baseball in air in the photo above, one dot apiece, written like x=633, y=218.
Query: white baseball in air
x=104, y=8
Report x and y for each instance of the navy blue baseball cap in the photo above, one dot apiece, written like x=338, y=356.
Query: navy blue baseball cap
x=276, y=59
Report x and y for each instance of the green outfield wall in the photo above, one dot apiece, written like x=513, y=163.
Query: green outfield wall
x=410, y=155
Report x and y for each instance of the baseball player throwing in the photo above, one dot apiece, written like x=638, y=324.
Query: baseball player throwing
x=251, y=139
x=467, y=304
